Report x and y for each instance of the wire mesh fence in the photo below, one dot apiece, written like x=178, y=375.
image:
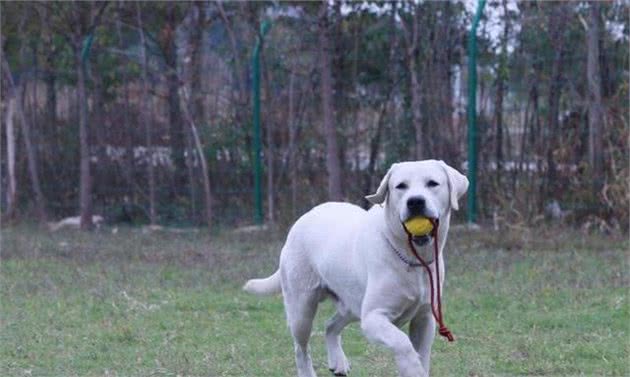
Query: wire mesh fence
x=533, y=112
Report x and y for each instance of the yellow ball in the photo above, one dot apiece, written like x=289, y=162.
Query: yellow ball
x=419, y=226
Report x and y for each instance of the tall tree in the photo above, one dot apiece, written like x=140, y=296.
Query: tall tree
x=86, y=18
x=11, y=193
x=202, y=160
x=411, y=36
x=595, y=112
x=197, y=27
x=501, y=77
x=292, y=141
x=168, y=44
x=146, y=119
x=31, y=150
x=333, y=162
x=556, y=22
x=241, y=93
x=269, y=122
x=195, y=116
x=50, y=78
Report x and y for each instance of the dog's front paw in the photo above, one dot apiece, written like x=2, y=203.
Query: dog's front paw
x=410, y=366
x=341, y=367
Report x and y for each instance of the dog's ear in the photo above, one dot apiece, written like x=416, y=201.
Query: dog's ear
x=457, y=184
x=381, y=192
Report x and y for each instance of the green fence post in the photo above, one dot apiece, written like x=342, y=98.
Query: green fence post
x=258, y=214
x=87, y=47
x=472, y=114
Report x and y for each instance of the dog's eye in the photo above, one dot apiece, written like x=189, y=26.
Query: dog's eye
x=402, y=186
x=432, y=183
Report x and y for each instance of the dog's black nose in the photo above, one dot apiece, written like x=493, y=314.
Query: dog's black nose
x=416, y=204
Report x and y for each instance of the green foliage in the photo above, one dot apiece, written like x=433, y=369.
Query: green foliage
x=371, y=90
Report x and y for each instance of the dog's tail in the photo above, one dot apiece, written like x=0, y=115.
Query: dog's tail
x=266, y=286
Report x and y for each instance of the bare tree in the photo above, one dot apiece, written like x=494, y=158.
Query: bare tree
x=374, y=109
x=500, y=84
x=333, y=162
x=292, y=140
x=595, y=113
x=411, y=37
x=194, y=99
x=269, y=123
x=197, y=27
x=168, y=44
x=84, y=19
x=240, y=72
x=376, y=142
x=31, y=151
x=51, y=53
x=556, y=22
x=11, y=144
x=202, y=160
x=439, y=52
x=145, y=118
x=127, y=165
x=85, y=184
x=240, y=67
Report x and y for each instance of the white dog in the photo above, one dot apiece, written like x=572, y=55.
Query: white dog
x=74, y=222
x=361, y=260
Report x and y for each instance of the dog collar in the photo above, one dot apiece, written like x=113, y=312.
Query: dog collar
x=408, y=262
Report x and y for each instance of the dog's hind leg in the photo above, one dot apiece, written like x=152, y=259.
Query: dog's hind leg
x=337, y=361
x=301, y=294
x=301, y=310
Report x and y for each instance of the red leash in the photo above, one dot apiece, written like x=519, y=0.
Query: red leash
x=437, y=313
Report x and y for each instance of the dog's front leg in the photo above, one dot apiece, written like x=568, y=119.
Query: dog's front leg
x=422, y=334
x=379, y=329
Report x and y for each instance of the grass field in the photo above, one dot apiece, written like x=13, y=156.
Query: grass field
x=550, y=303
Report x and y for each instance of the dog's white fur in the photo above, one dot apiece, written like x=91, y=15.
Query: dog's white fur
x=342, y=252
x=74, y=222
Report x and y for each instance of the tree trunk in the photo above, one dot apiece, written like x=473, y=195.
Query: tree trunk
x=176, y=128
x=81, y=31
x=240, y=73
x=268, y=122
x=85, y=180
x=51, y=94
x=193, y=109
x=195, y=79
x=49, y=74
x=145, y=119
x=416, y=99
x=595, y=112
x=205, y=176
x=411, y=52
x=241, y=96
x=127, y=163
x=196, y=60
x=498, y=108
x=333, y=163
x=556, y=27
x=31, y=151
x=190, y=168
x=375, y=143
x=10, y=139
x=202, y=160
x=292, y=136
x=416, y=102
